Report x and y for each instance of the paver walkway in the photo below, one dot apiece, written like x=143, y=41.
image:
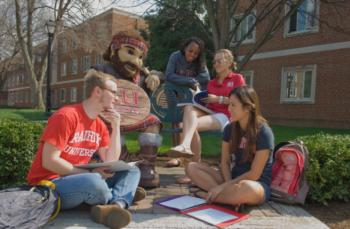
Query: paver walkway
x=148, y=215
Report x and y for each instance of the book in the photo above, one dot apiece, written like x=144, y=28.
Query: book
x=198, y=102
x=113, y=166
x=199, y=209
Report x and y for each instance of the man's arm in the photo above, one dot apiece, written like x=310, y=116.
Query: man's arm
x=52, y=161
x=112, y=152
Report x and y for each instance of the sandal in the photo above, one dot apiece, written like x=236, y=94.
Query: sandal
x=175, y=162
x=180, y=151
x=183, y=180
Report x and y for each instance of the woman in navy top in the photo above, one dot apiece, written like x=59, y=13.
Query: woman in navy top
x=246, y=156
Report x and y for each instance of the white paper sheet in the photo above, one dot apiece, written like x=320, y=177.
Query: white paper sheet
x=183, y=202
x=212, y=216
x=114, y=166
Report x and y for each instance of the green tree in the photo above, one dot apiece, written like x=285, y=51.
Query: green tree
x=170, y=26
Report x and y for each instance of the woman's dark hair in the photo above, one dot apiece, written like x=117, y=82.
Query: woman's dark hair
x=249, y=99
x=200, y=61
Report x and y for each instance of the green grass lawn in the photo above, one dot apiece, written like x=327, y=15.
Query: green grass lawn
x=25, y=114
x=210, y=143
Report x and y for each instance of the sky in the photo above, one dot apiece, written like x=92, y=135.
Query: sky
x=132, y=6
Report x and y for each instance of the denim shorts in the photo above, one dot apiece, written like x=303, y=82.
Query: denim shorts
x=222, y=119
x=267, y=191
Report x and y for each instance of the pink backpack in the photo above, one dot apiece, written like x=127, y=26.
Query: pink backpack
x=289, y=184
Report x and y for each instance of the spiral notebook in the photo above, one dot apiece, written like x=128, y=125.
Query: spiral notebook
x=198, y=208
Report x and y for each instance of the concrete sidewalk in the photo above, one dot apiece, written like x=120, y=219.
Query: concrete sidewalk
x=148, y=215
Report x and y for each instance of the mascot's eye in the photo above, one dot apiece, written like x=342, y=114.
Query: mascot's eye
x=131, y=52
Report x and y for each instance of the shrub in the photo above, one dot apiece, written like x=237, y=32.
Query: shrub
x=18, y=143
x=328, y=173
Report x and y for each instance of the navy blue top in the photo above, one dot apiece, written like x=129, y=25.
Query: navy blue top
x=183, y=73
x=265, y=140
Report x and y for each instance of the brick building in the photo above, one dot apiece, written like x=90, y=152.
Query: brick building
x=75, y=51
x=302, y=75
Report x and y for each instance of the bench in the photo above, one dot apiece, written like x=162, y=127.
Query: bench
x=164, y=102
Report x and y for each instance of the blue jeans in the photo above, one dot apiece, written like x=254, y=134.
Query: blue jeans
x=90, y=188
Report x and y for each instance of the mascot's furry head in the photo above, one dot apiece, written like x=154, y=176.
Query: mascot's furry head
x=127, y=51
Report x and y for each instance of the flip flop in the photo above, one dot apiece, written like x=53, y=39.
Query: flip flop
x=175, y=162
x=180, y=151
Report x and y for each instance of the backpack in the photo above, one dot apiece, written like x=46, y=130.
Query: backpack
x=28, y=206
x=289, y=184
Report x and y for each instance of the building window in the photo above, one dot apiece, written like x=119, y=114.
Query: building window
x=62, y=94
x=64, y=46
x=304, y=19
x=248, y=77
x=74, y=66
x=298, y=84
x=99, y=59
x=74, y=44
x=63, y=69
x=244, y=27
x=86, y=63
x=73, y=94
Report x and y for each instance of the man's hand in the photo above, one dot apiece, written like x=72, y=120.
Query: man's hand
x=103, y=171
x=111, y=116
x=152, y=81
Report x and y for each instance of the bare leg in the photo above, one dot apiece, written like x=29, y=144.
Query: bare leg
x=244, y=192
x=204, y=176
x=196, y=147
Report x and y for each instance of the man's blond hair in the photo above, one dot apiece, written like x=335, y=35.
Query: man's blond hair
x=94, y=79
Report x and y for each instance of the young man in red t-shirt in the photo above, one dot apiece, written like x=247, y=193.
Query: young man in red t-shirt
x=72, y=135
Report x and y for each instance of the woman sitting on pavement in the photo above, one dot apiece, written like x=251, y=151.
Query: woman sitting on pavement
x=187, y=67
x=195, y=120
x=246, y=148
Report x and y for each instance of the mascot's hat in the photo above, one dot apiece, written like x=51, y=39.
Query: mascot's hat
x=123, y=38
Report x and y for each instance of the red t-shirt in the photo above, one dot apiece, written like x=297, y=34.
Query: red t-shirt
x=75, y=134
x=230, y=82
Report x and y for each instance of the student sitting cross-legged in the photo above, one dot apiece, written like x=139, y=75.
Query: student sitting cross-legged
x=72, y=135
x=246, y=160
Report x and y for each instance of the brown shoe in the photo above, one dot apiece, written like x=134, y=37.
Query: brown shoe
x=113, y=216
x=140, y=194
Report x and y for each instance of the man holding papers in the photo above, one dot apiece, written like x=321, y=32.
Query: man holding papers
x=71, y=136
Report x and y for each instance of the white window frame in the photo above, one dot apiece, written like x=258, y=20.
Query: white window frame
x=297, y=85
x=246, y=25
x=74, y=66
x=62, y=94
x=99, y=59
x=248, y=74
x=86, y=63
x=307, y=29
x=73, y=94
x=63, y=69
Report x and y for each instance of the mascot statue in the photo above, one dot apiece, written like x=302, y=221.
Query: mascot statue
x=124, y=60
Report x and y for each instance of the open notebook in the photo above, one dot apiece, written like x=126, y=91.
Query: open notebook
x=197, y=102
x=198, y=208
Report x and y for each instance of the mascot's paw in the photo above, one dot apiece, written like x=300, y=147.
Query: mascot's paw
x=153, y=79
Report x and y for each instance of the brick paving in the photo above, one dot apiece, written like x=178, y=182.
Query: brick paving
x=146, y=214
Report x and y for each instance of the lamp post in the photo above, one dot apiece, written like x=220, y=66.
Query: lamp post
x=50, y=27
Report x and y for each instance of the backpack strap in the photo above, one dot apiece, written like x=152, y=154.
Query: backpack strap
x=52, y=187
